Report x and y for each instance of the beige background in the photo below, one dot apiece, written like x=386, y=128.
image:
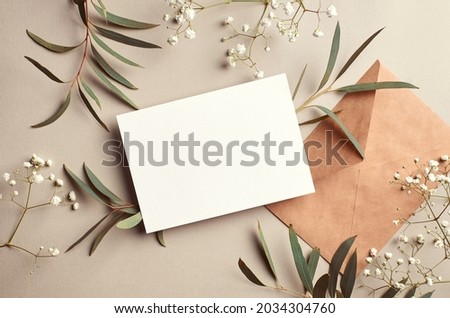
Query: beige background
x=200, y=259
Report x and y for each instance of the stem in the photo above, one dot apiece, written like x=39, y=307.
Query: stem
x=313, y=97
x=22, y=216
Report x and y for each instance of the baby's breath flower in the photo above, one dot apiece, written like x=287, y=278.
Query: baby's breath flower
x=228, y=20
x=75, y=206
x=444, y=158
x=373, y=252
x=433, y=163
x=51, y=177
x=289, y=9
x=409, y=179
x=55, y=200
x=72, y=196
x=331, y=11
x=1, y=196
x=190, y=34
x=366, y=272
x=396, y=176
x=432, y=177
x=16, y=193
x=180, y=19
x=271, y=15
x=369, y=260
x=378, y=272
x=400, y=261
x=6, y=176
x=189, y=14
x=266, y=22
x=53, y=251
x=399, y=286
x=438, y=243
x=274, y=4
x=420, y=239
x=416, y=160
x=423, y=187
x=259, y=74
x=387, y=255
x=59, y=183
x=240, y=49
x=166, y=17
x=37, y=178
x=231, y=61
x=245, y=28
x=267, y=49
x=396, y=222
x=27, y=164
x=444, y=223
x=12, y=183
x=403, y=238
x=49, y=163
x=411, y=261
x=429, y=281
x=318, y=33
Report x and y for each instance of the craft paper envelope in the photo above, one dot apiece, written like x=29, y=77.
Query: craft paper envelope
x=393, y=127
x=221, y=173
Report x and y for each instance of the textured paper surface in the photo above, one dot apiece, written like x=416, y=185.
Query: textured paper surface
x=393, y=127
x=173, y=195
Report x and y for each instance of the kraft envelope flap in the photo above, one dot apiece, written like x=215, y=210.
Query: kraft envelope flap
x=172, y=194
x=393, y=126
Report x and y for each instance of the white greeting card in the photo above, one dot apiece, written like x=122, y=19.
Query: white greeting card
x=216, y=153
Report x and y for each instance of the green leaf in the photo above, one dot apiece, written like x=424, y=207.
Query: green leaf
x=160, y=238
x=300, y=262
x=266, y=251
x=130, y=222
x=85, y=187
x=104, y=46
x=364, y=87
x=121, y=21
x=349, y=277
x=299, y=82
x=82, y=10
x=50, y=46
x=343, y=127
x=427, y=295
x=356, y=54
x=58, y=113
x=118, y=37
x=392, y=291
x=44, y=70
x=91, y=110
x=90, y=92
x=320, y=289
x=249, y=274
x=336, y=263
x=313, y=261
x=101, y=187
x=333, y=56
x=117, y=218
x=318, y=119
x=411, y=292
x=111, y=86
x=130, y=210
x=110, y=71
x=81, y=239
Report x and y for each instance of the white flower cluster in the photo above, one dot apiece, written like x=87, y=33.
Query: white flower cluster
x=184, y=12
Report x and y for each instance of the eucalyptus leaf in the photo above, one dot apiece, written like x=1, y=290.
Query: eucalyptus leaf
x=130, y=222
x=81, y=239
x=427, y=295
x=104, y=46
x=58, y=113
x=313, y=261
x=343, y=127
x=249, y=274
x=336, y=263
x=44, y=70
x=103, y=7
x=160, y=238
x=110, y=71
x=320, y=289
x=300, y=262
x=101, y=235
x=85, y=187
x=333, y=56
x=51, y=46
x=91, y=110
x=299, y=82
x=82, y=10
x=356, y=54
x=130, y=210
x=317, y=120
x=121, y=21
x=392, y=291
x=364, y=87
x=111, y=86
x=349, y=276
x=101, y=187
x=266, y=251
x=118, y=37
x=90, y=92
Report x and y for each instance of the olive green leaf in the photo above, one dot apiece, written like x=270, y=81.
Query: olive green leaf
x=336, y=263
x=363, y=87
x=332, y=58
x=317, y=119
x=320, y=289
x=104, y=46
x=313, y=261
x=343, y=127
x=111, y=86
x=118, y=37
x=101, y=187
x=299, y=82
x=121, y=21
x=103, y=7
x=392, y=291
x=82, y=10
x=50, y=46
x=427, y=295
x=249, y=274
x=81, y=239
x=349, y=276
x=89, y=107
x=130, y=222
x=160, y=238
x=129, y=210
x=266, y=251
x=58, y=113
x=110, y=71
x=116, y=219
x=411, y=292
x=300, y=262
x=44, y=70
x=90, y=92
x=356, y=54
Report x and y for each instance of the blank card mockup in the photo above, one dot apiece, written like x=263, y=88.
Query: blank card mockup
x=216, y=153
